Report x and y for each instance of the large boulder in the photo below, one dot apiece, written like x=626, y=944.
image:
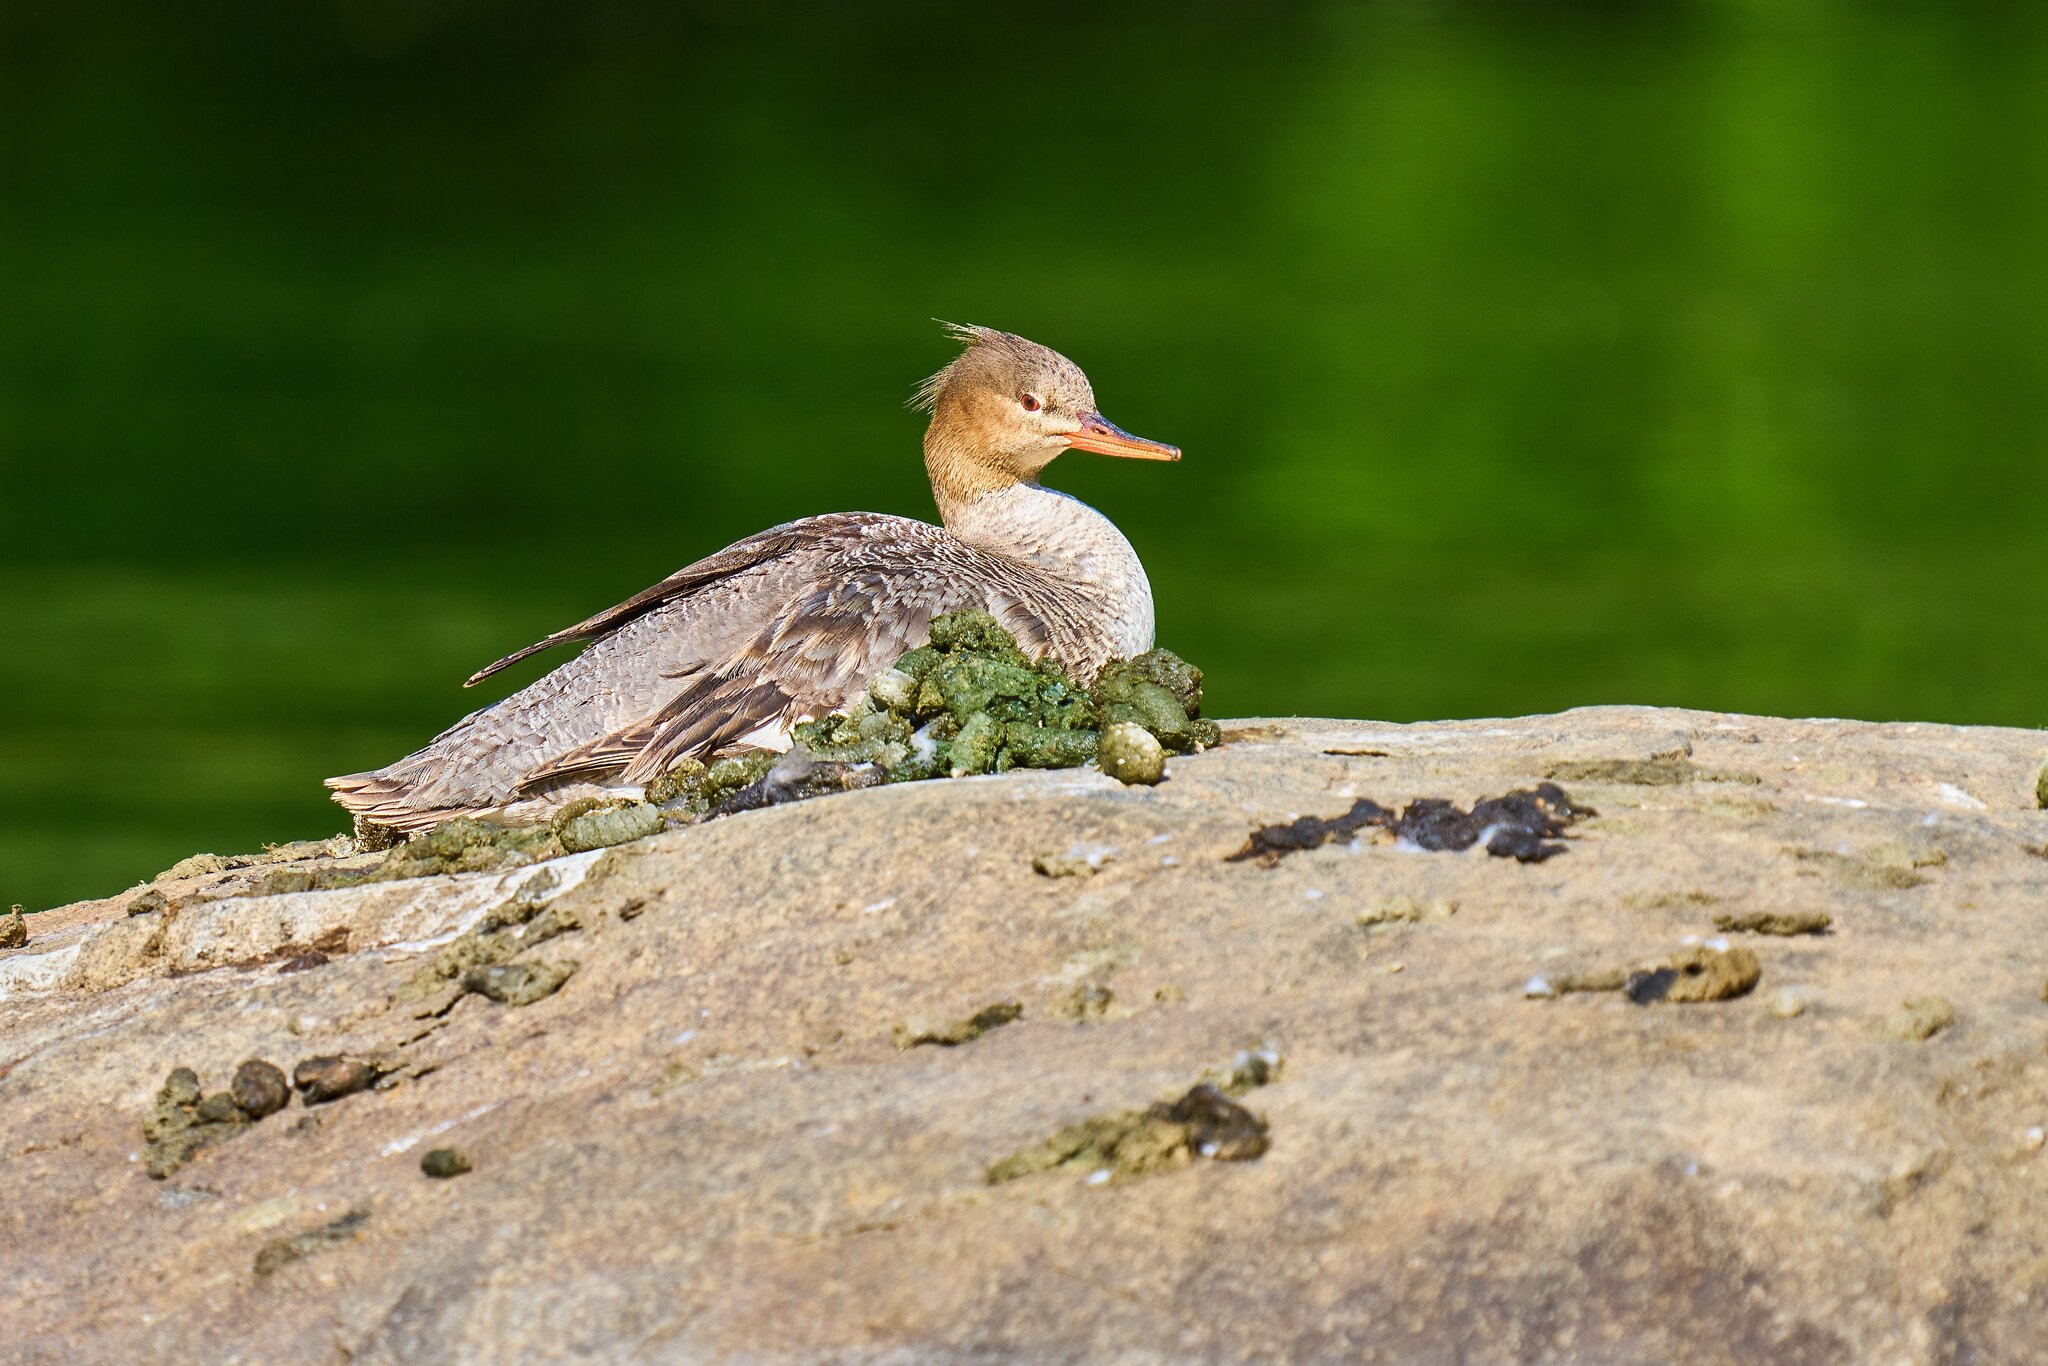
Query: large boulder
x=1746, y=1067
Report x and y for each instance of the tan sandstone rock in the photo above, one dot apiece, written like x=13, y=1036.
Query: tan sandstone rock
x=706, y=1143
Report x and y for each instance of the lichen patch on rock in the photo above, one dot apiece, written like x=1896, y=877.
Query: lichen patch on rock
x=183, y=1121
x=1892, y=866
x=1203, y=1122
x=519, y=984
x=1662, y=770
x=951, y=1033
x=1696, y=975
x=279, y=1253
x=1780, y=923
x=1920, y=1018
x=1408, y=910
x=599, y=824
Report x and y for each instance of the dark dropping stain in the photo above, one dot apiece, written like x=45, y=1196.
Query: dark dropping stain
x=1653, y=985
x=1269, y=843
x=1515, y=825
x=1218, y=1126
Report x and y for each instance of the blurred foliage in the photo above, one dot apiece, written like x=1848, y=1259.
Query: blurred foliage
x=1525, y=355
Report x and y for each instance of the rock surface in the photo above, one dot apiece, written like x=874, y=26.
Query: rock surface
x=707, y=1143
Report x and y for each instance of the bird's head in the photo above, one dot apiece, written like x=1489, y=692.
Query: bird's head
x=1005, y=409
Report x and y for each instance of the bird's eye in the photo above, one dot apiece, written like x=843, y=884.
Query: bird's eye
x=1030, y=402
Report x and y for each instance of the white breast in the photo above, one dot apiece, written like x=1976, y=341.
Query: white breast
x=1073, y=542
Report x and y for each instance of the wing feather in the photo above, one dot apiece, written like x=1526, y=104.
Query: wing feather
x=736, y=558
x=808, y=657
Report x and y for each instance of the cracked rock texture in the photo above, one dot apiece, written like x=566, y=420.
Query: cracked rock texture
x=705, y=1144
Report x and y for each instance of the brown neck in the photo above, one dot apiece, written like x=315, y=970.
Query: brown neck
x=962, y=469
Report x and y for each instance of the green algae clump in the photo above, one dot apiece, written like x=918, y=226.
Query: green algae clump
x=971, y=702
x=695, y=787
x=465, y=845
x=599, y=824
x=968, y=702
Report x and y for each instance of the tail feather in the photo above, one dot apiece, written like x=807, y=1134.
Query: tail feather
x=382, y=800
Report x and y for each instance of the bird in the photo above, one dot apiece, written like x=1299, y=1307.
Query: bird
x=728, y=654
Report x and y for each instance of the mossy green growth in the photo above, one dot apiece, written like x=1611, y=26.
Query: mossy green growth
x=697, y=787
x=1161, y=692
x=975, y=633
x=971, y=701
x=464, y=845
x=599, y=823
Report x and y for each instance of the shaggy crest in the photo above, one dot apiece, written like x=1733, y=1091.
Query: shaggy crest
x=979, y=343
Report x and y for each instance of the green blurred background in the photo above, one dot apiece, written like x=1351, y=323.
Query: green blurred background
x=1525, y=355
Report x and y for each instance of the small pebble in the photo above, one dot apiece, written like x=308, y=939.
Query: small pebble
x=1131, y=754
x=1538, y=989
x=894, y=689
x=260, y=1089
x=1920, y=1019
x=1253, y=1068
x=1077, y=861
x=2033, y=1139
x=443, y=1163
x=218, y=1108
x=330, y=1078
x=1788, y=1004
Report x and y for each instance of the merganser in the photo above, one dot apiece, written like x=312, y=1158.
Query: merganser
x=789, y=625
